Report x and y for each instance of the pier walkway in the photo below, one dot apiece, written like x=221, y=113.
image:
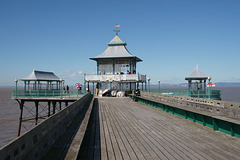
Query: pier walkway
x=132, y=130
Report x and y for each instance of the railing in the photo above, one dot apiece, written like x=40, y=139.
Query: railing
x=35, y=143
x=208, y=94
x=221, y=118
x=47, y=94
x=115, y=77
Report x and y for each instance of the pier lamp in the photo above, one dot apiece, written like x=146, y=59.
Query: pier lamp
x=88, y=84
x=159, y=86
x=209, y=79
x=16, y=81
x=61, y=86
x=149, y=79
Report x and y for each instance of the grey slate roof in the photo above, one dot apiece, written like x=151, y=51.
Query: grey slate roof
x=41, y=76
x=116, y=41
x=116, y=49
x=197, y=74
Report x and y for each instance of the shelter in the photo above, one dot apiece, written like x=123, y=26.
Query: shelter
x=197, y=80
x=116, y=68
x=41, y=80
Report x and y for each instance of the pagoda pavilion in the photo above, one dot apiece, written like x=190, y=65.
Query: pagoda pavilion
x=41, y=80
x=116, y=69
x=197, y=86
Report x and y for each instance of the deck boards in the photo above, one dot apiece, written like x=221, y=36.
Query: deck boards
x=131, y=130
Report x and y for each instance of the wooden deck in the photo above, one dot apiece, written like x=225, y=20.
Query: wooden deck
x=131, y=130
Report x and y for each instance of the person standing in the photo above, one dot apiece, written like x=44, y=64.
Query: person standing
x=67, y=89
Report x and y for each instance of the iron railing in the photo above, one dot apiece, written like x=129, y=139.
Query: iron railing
x=47, y=94
x=115, y=77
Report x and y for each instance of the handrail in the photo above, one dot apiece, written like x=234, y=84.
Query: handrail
x=47, y=93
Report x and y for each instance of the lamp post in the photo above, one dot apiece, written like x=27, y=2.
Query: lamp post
x=16, y=81
x=149, y=79
x=61, y=82
x=159, y=86
x=209, y=85
x=88, y=85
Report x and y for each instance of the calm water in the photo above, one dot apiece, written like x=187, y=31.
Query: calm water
x=10, y=111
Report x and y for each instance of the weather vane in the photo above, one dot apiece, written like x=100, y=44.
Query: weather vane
x=116, y=30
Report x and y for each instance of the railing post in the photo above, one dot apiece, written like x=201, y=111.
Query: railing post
x=16, y=80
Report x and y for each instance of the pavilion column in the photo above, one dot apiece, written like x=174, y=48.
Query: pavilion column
x=189, y=87
x=25, y=83
x=97, y=68
x=28, y=84
x=205, y=84
x=113, y=66
x=130, y=63
x=35, y=85
x=200, y=84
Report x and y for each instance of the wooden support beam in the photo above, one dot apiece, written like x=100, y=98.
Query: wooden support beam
x=54, y=107
x=49, y=108
x=21, y=104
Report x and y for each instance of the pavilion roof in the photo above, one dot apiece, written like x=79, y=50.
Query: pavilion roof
x=197, y=75
x=116, y=49
x=41, y=76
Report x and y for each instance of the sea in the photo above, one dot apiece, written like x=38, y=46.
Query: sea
x=10, y=111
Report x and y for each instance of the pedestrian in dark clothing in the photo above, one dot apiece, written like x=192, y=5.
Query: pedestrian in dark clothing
x=135, y=94
x=67, y=89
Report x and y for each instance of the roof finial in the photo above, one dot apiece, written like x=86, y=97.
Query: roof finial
x=116, y=30
x=197, y=67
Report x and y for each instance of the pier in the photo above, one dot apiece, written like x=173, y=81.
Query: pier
x=110, y=125
x=119, y=128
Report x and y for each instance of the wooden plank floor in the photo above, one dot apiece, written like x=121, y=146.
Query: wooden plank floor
x=131, y=130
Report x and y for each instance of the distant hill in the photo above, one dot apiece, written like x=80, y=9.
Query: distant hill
x=218, y=84
x=227, y=84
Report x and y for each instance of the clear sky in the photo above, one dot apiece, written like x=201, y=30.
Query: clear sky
x=170, y=36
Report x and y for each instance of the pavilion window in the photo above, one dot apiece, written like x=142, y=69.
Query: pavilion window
x=122, y=66
x=105, y=66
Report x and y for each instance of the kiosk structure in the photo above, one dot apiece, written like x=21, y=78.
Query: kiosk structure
x=116, y=69
x=197, y=86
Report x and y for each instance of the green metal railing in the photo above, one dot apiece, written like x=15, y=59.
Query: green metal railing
x=207, y=94
x=47, y=94
x=216, y=124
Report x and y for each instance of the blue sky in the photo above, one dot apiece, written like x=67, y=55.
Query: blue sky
x=171, y=36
